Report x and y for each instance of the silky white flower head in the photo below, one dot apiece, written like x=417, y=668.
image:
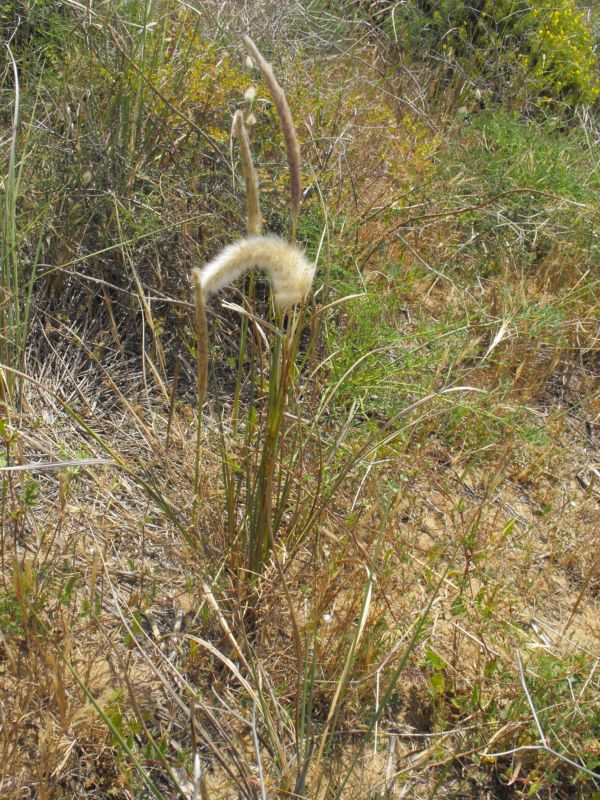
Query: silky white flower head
x=250, y=93
x=290, y=271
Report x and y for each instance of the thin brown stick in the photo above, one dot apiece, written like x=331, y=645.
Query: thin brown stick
x=172, y=402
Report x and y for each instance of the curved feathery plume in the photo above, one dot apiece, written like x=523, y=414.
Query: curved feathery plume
x=250, y=176
x=291, y=273
x=201, y=337
x=287, y=126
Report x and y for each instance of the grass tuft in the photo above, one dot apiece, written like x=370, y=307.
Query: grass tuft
x=346, y=547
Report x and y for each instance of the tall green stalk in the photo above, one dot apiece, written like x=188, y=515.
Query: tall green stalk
x=15, y=302
x=281, y=380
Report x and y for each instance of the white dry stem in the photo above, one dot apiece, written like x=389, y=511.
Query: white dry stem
x=250, y=176
x=289, y=270
x=287, y=126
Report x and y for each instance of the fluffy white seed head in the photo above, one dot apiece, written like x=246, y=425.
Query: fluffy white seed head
x=290, y=272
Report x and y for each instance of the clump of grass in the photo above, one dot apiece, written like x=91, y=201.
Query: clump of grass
x=332, y=605
x=291, y=275
x=15, y=305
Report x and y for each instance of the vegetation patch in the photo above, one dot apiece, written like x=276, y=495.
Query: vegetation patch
x=337, y=548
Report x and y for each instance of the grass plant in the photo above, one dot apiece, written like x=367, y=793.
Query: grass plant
x=17, y=287
x=340, y=549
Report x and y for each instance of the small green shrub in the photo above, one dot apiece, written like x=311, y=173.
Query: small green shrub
x=37, y=29
x=511, y=46
x=510, y=152
x=559, y=53
x=10, y=614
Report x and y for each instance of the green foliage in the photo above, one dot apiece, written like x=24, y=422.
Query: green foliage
x=514, y=46
x=508, y=152
x=504, y=155
x=38, y=30
x=559, y=54
x=10, y=613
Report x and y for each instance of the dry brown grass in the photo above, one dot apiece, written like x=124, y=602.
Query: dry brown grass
x=102, y=579
x=133, y=639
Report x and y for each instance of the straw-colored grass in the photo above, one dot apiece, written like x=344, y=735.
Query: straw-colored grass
x=350, y=549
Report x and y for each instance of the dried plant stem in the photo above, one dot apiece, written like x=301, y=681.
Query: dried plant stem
x=202, y=339
x=201, y=365
x=287, y=126
x=254, y=225
x=283, y=358
x=254, y=222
